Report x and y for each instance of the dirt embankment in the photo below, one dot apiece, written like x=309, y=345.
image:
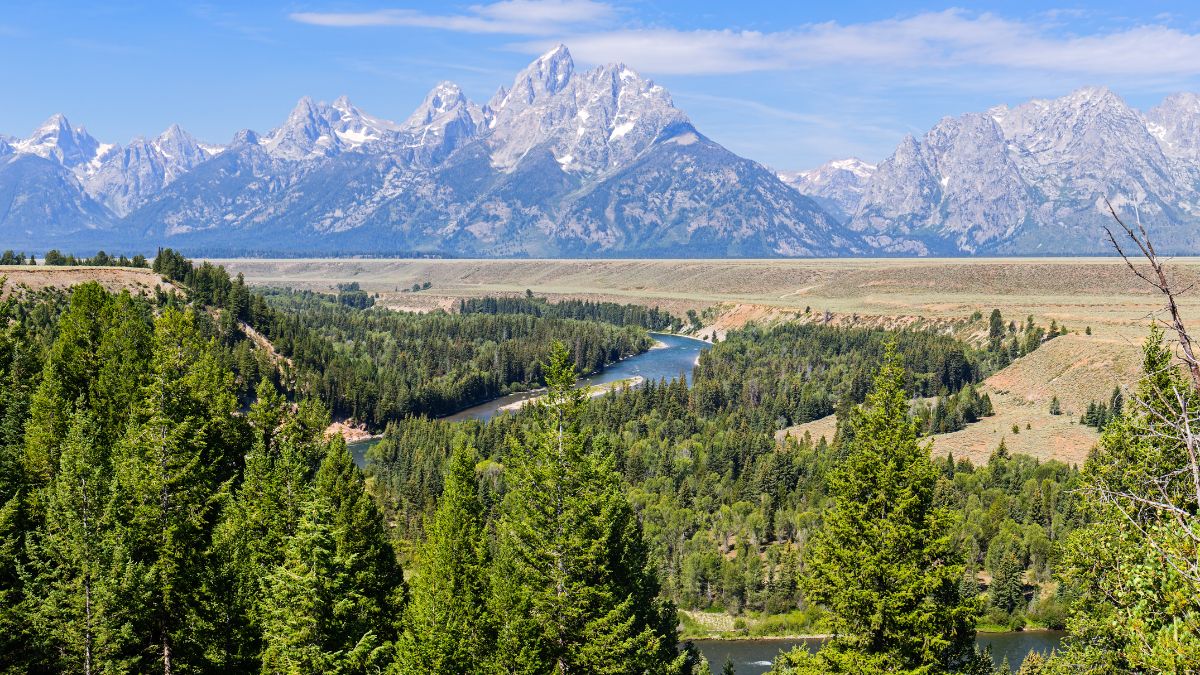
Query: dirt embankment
x=114, y=279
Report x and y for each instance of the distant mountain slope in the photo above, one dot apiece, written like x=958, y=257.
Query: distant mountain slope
x=562, y=163
x=1033, y=179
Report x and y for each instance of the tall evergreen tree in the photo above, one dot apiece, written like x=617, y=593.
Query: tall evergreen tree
x=331, y=605
x=883, y=563
x=262, y=516
x=575, y=592
x=446, y=625
x=299, y=595
x=1135, y=565
x=68, y=559
x=171, y=473
x=68, y=378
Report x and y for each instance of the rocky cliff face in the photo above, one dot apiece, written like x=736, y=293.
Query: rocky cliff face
x=1033, y=179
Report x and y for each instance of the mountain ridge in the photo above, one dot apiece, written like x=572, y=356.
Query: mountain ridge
x=600, y=163
x=557, y=163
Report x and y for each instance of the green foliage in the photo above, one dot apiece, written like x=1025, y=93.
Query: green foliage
x=1139, y=606
x=794, y=373
x=583, y=310
x=574, y=586
x=726, y=508
x=381, y=365
x=141, y=513
x=55, y=258
x=447, y=628
x=884, y=563
x=1098, y=415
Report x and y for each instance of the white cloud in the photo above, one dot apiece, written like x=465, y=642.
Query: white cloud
x=930, y=40
x=511, y=17
x=934, y=40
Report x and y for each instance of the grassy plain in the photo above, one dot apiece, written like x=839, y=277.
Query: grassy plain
x=1099, y=293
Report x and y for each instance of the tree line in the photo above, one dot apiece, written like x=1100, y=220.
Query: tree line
x=377, y=365
x=650, y=318
x=55, y=258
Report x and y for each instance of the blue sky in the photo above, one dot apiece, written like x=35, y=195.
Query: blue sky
x=789, y=84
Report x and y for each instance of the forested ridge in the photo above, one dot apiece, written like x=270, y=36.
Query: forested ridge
x=147, y=526
x=375, y=365
x=151, y=523
x=650, y=318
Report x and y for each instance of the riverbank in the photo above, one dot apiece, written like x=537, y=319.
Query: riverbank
x=592, y=392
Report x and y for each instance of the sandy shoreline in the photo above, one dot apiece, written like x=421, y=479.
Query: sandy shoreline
x=592, y=392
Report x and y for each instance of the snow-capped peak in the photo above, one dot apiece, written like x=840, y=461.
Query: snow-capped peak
x=855, y=166
x=446, y=97
x=836, y=185
x=322, y=130
x=56, y=139
x=549, y=74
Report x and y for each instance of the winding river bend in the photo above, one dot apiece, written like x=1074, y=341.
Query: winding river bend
x=750, y=657
x=675, y=359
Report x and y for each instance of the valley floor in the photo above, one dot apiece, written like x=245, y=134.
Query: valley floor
x=1081, y=293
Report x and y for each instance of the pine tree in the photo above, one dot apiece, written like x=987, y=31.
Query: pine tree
x=574, y=588
x=265, y=512
x=298, y=596
x=68, y=555
x=1138, y=606
x=68, y=378
x=331, y=604
x=446, y=627
x=883, y=564
x=1007, y=591
x=372, y=595
x=171, y=473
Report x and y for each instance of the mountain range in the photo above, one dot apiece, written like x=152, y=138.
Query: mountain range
x=601, y=163
x=1028, y=180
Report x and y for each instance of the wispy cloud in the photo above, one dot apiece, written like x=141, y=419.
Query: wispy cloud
x=511, y=17
x=231, y=21
x=930, y=40
x=937, y=40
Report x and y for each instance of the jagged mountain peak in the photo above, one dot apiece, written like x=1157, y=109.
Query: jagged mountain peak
x=56, y=139
x=316, y=129
x=245, y=138
x=1175, y=123
x=547, y=75
x=446, y=97
x=590, y=121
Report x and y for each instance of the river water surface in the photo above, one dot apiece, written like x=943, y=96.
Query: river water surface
x=674, y=360
x=754, y=657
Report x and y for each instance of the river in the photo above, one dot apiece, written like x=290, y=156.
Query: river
x=674, y=360
x=754, y=657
